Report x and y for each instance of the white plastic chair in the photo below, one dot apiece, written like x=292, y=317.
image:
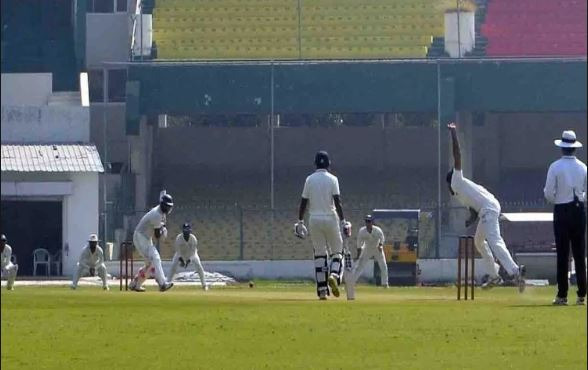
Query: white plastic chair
x=41, y=257
x=56, y=262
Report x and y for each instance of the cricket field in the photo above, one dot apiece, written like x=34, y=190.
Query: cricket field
x=282, y=325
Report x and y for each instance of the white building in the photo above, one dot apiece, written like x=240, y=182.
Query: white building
x=50, y=170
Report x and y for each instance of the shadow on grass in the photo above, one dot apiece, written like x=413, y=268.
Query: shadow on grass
x=543, y=305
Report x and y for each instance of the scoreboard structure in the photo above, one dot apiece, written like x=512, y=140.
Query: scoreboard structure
x=401, y=230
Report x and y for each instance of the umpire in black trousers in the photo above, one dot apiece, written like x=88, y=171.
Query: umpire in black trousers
x=565, y=187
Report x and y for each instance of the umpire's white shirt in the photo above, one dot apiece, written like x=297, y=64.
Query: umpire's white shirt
x=186, y=249
x=6, y=254
x=566, y=175
x=370, y=240
x=89, y=259
x=319, y=189
x=471, y=194
x=154, y=219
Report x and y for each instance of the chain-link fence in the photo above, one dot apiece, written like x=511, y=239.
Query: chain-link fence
x=238, y=233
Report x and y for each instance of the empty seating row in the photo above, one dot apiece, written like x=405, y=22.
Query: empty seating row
x=284, y=52
x=348, y=41
x=220, y=21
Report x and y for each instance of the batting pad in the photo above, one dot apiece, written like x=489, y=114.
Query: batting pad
x=322, y=273
x=336, y=266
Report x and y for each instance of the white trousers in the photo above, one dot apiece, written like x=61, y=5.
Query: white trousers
x=152, y=261
x=365, y=256
x=194, y=261
x=490, y=244
x=10, y=271
x=83, y=271
x=325, y=235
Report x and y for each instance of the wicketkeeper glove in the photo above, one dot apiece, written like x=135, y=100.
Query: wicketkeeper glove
x=300, y=230
x=346, y=228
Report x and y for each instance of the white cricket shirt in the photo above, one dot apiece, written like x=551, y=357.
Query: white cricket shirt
x=6, y=254
x=370, y=240
x=184, y=248
x=564, y=177
x=319, y=189
x=152, y=220
x=471, y=194
x=89, y=259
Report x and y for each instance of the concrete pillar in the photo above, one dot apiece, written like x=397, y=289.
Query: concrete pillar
x=460, y=33
x=141, y=149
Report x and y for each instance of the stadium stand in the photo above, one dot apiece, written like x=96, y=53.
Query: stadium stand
x=535, y=28
x=291, y=29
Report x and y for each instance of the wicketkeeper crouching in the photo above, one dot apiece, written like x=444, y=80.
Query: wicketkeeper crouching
x=91, y=263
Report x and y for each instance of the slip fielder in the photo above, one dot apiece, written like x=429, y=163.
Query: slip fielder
x=8, y=268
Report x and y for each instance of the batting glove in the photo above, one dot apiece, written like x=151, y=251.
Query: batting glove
x=92, y=271
x=182, y=263
x=187, y=263
x=346, y=228
x=300, y=230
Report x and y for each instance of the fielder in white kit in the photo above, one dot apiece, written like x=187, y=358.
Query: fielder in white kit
x=321, y=195
x=186, y=253
x=152, y=225
x=488, y=240
x=370, y=243
x=91, y=262
x=8, y=268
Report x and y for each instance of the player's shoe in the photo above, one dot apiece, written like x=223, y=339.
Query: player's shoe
x=166, y=286
x=323, y=296
x=72, y=287
x=581, y=301
x=489, y=282
x=386, y=286
x=333, y=285
x=205, y=287
x=10, y=287
x=106, y=287
x=558, y=301
x=133, y=286
x=521, y=278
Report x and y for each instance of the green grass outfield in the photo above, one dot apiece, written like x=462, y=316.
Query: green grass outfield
x=282, y=325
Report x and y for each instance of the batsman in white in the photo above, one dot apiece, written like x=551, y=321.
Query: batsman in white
x=326, y=221
x=488, y=240
x=186, y=253
x=8, y=268
x=152, y=225
x=370, y=243
x=91, y=262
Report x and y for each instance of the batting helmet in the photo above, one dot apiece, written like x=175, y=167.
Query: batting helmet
x=321, y=160
x=186, y=227
x=167, y=200
x=3, y=237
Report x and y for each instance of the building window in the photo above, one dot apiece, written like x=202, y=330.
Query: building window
x=107, y=6
x=96, y=81
x=101, y=6
x=117, y=81
x=121, y=5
